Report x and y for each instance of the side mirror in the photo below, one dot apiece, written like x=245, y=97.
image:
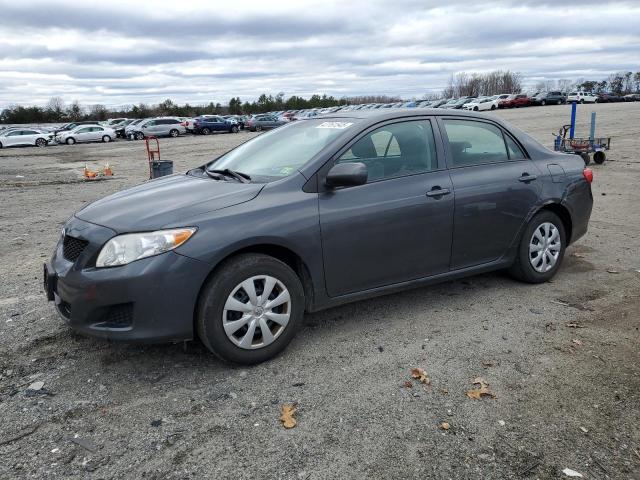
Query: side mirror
x=347, y=175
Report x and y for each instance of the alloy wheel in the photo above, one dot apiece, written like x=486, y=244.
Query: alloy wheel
x=41, y=142
x=256, y=312
x=544, y=247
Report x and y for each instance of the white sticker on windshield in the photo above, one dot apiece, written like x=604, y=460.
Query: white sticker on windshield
x=339, y=125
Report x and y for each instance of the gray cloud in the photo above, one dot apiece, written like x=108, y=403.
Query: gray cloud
x=114, y=54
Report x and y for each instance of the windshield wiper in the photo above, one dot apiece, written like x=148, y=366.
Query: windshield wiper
x=241, y=177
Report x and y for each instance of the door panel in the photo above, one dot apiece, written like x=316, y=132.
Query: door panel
x=385, y=232
x=491, y=204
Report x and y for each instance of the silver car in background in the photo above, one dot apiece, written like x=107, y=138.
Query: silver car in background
x=158, y=127
x=23, y=137
x=87, y=133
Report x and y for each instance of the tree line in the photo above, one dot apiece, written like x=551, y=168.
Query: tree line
x=460, y=84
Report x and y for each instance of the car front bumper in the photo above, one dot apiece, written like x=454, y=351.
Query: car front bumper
x=149, y=300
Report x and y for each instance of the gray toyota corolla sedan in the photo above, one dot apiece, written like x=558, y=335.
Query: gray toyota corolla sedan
x=315, y=214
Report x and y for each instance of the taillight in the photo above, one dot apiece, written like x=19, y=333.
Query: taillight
x=588, y=175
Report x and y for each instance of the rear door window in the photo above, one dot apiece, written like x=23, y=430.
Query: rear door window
x=474, y=143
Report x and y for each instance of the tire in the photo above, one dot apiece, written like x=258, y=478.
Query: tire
x=258, y=128
x=582, y=101
x=543, y=103
x=475, y=109
x=559, y=102
x=70, y=141
x=41, y=142
x=0, y=144
x=599, y=157
x=226, y=285
x=174, y=133
x=585, y=156
x=206, y=131
x=235, y=129
x=523, y=266
x=139, y=136
x=493, y=107
x=106, y=139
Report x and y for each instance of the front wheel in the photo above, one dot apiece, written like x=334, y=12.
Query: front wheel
x=71, y=141
x=235, y=129
x=41, y=142
x=106, y=139
x=493, y=107
x=559, y=102
x=258, y=128
x=541, y=249
x=139, y=136
x=250, y=309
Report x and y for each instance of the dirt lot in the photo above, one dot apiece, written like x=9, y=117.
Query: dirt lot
x=566, y=397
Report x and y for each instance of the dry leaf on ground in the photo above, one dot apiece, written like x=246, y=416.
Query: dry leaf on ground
x=420, y=375
x=481, y=390
x=408, y=384
x=445, y=426
x=574, y=325
x=287, y=411
x=575, y=341
x=578, y=255
x=611, y=270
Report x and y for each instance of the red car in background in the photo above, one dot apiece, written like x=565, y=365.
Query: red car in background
x=516, y=100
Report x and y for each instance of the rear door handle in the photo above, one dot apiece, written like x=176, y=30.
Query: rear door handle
x=527, y=178
x=438, y=192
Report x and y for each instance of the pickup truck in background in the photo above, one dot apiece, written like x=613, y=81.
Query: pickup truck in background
x=582, y=97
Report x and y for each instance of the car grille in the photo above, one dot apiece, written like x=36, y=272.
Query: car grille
x=72, y=247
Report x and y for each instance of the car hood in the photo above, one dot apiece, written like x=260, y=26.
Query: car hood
x=168, y=201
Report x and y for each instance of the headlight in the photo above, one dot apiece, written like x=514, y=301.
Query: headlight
x=127, y=248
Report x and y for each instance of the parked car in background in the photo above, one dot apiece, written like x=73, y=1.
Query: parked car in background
x=264, y=122
x=521, y=100
x=157, y=127
x=70, y=126
x=312, y=216
x=605, y=97
x=457, y=103
x=506, y=102
x=120, y=129
x=214, y=123
x=480, y=104
x=632, y=97
x=438, y=103
x=23, y=137
x=87, y=133
x=114, y=122
x=239, y=119
x=554, y=97
x=582, y=97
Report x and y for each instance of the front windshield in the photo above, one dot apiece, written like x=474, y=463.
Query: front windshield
x=282, y=151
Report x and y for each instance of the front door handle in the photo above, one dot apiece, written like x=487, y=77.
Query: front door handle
x=438, y=192
x=527, y=178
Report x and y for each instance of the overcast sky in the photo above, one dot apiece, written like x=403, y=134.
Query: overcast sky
x=122, y=52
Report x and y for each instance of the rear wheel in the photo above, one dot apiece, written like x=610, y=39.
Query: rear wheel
x=106, y=139
x=493, y=107
x=70, y=141
x=258, y=128
x=250, y=309
x=543, y=103
x=235, y=129
x=541, y=249
x=475, y=109
x=559, y=102
x=139, y=136
x=582, y=101
x=206, y=131
x=599, y=157
x=41, y=142
x=174, y=133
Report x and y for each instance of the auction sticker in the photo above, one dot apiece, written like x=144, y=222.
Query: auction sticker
x=338, y=125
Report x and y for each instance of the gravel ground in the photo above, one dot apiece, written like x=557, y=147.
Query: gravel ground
x=565, y=397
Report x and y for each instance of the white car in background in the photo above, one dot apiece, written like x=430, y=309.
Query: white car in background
x=87, y=133
x=23, y=137
x=582, y=97
x=482, y=103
